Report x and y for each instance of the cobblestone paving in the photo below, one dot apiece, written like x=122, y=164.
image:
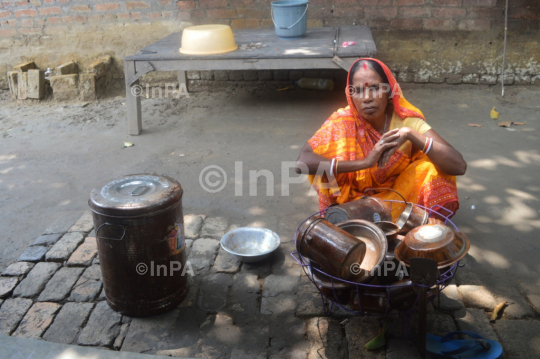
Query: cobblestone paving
x=234, y=310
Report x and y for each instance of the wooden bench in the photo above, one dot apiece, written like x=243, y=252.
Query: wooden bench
x=319, y=49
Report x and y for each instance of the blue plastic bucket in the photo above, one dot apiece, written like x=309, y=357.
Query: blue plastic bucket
x=290, y=18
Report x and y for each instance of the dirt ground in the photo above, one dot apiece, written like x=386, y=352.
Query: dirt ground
x=53, y=154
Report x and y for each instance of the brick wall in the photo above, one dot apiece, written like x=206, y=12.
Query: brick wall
x=53, y=17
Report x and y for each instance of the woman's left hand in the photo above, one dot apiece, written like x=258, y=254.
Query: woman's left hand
x=385, y=157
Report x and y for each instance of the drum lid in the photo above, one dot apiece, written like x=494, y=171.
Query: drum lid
x=136, y=194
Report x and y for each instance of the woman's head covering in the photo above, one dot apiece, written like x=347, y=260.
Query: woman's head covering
x=402, y=107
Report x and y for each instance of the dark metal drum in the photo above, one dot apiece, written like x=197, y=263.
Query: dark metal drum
x=140, y=235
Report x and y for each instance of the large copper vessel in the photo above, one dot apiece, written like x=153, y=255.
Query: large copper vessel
x=368, y=208
x=331, y=247
x=140, y=236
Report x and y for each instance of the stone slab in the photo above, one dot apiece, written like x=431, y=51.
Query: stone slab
x=359, y=331
x=450, y=299
x=13, y=77
x=475, y=320
x=326, y=338
x=177, y=328
x=120, y=339
x=189, y=244
x=102, y=328
x=226, y=263
x=193, y=224
x=33, y=254
x=477, y=296
x=84, y=254
x=276, y=284
x=68, y=68
x=84, y=224
x=65, y=87
x=36, y=321
x=63, y=249
x=22, y=86
x=289, y=337
x=7, y=284
x=68, y=323
x=18, y=269
x=11, y=314
x=87, y=87
x=62, y=223
x=36, y=280
x=518, y=308
x=60, y=284
x=203, y=253
x=282, y=303
x=214, y=227
x=519, y=338
x=213, y=292
x=88, y=286
x=47, y=239
x=15, y=348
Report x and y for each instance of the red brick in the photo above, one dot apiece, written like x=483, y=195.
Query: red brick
x=187, y=5
x=238, y=24
x=349, y=12
x=30, y=31
x=253, y=23
x=136, y=5
x=62, y=1
x=486, y=3
x=380, y=13
x=184, y=15
x=376, y=23
x=153, y=15
x=22, y=3
x=212, y=4
x=76, y=18
x=123, y=15
x=53, y=20
x=107, y=6
x=39, y=22
x=267, y=23
x=522, y=13
x=408, y=2
x=94, y=18
x=446, y=2
x=80, y=8
x=27, y=23
x=439, y=24
x=56, y=29
x=50, y=10
x=482, y=13
x=406, y=24
x=48, y=1
x=247, y=3
x=474, y=25
x=4, y=14
x=27, y=12
x=413, y=12
x=109, y=17
x=250, y=13
x=8, y=32
x=167, y=14
x=449, y=13
x=375, y=2
x=343, y=2
x=221, y=14
x=198, y=14
x=164, y=2
x=12, y=22
x=136, y=15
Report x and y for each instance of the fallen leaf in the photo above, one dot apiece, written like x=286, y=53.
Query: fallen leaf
x=474, y=125
x=494, y=114
x=378, y=342
x=519, y=123
x=505, y=124
x=497, y=309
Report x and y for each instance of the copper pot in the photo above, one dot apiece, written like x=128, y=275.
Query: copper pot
x=371, y=209
x=332, y=248
x=411, y=217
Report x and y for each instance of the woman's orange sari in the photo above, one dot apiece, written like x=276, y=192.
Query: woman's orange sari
x=347, y=137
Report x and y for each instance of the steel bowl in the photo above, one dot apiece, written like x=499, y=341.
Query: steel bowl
x=250, y=244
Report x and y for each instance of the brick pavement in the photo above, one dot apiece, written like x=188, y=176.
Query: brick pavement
x=233, y=310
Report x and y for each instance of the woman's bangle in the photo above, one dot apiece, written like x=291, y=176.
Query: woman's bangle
x=429, y=146
x=426, y=144
x=332, y=166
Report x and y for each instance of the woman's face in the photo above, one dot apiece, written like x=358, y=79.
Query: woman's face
x=369, y=94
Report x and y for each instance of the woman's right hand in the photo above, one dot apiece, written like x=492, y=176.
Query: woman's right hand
x=387, y=141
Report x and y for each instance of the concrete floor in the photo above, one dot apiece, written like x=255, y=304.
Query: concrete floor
x=53, y=154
